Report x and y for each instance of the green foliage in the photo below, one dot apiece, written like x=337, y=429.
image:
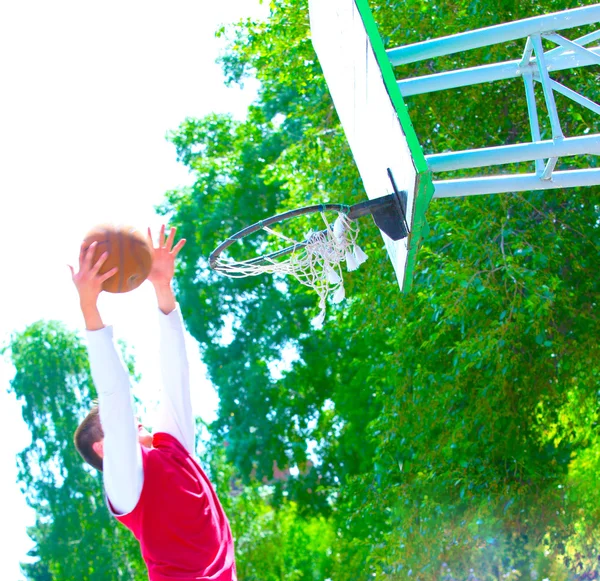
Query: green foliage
x=450, y=433
x=273, y=540
x=74, y=534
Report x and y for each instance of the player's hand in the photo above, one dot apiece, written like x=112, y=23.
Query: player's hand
x=163, y=257
x=87, y=279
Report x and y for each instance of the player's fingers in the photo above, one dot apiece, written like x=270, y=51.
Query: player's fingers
x=89, y=255
x=161, y=237
x=72, y=271
x=170, y=239
x=98, y=265
x=150, y=241
x=178, y=247
x=108, y=274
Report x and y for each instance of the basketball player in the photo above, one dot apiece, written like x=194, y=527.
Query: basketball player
x=153, y=484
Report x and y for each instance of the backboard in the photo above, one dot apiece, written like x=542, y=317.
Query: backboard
x=374, y=117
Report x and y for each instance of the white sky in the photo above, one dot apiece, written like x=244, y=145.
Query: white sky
x=88, y=92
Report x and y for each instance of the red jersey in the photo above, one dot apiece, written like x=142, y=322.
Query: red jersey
x=179, y=522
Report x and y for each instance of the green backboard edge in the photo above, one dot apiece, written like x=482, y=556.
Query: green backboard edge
x=424, y=186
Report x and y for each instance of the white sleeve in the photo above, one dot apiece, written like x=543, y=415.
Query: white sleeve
x=174, y=414
x=122, y=464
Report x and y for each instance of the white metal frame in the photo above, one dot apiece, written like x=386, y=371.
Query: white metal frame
x=535, y=65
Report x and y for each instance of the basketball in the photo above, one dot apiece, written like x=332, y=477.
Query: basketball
x=127, y=249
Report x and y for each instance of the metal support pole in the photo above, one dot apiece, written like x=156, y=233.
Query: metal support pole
x=570, y=45
x=504, y=154
x=585, y=39
x=536, y=40
x=515, y=183
x=493, y=35
x=534, y=122
x=588, y=103
x=558, y=61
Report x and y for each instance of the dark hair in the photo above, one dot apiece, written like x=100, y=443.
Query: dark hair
x=87, y=434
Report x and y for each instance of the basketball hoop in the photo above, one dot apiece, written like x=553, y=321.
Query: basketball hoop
x=316, y=261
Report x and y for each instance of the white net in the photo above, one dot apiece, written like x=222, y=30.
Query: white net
x=315, y=262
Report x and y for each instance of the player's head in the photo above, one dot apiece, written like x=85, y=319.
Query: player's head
x=87, y=437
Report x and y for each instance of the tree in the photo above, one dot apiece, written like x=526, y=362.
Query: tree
x=457, y=424
x=74, y=534
x=273, y=539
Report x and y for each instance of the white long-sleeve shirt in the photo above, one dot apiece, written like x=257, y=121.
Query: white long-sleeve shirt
x=122, y=463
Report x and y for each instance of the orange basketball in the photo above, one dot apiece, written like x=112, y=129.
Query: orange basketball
x=128, y=250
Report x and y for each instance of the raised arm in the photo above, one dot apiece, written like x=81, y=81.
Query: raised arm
x=174, y=414
x=120, y=449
